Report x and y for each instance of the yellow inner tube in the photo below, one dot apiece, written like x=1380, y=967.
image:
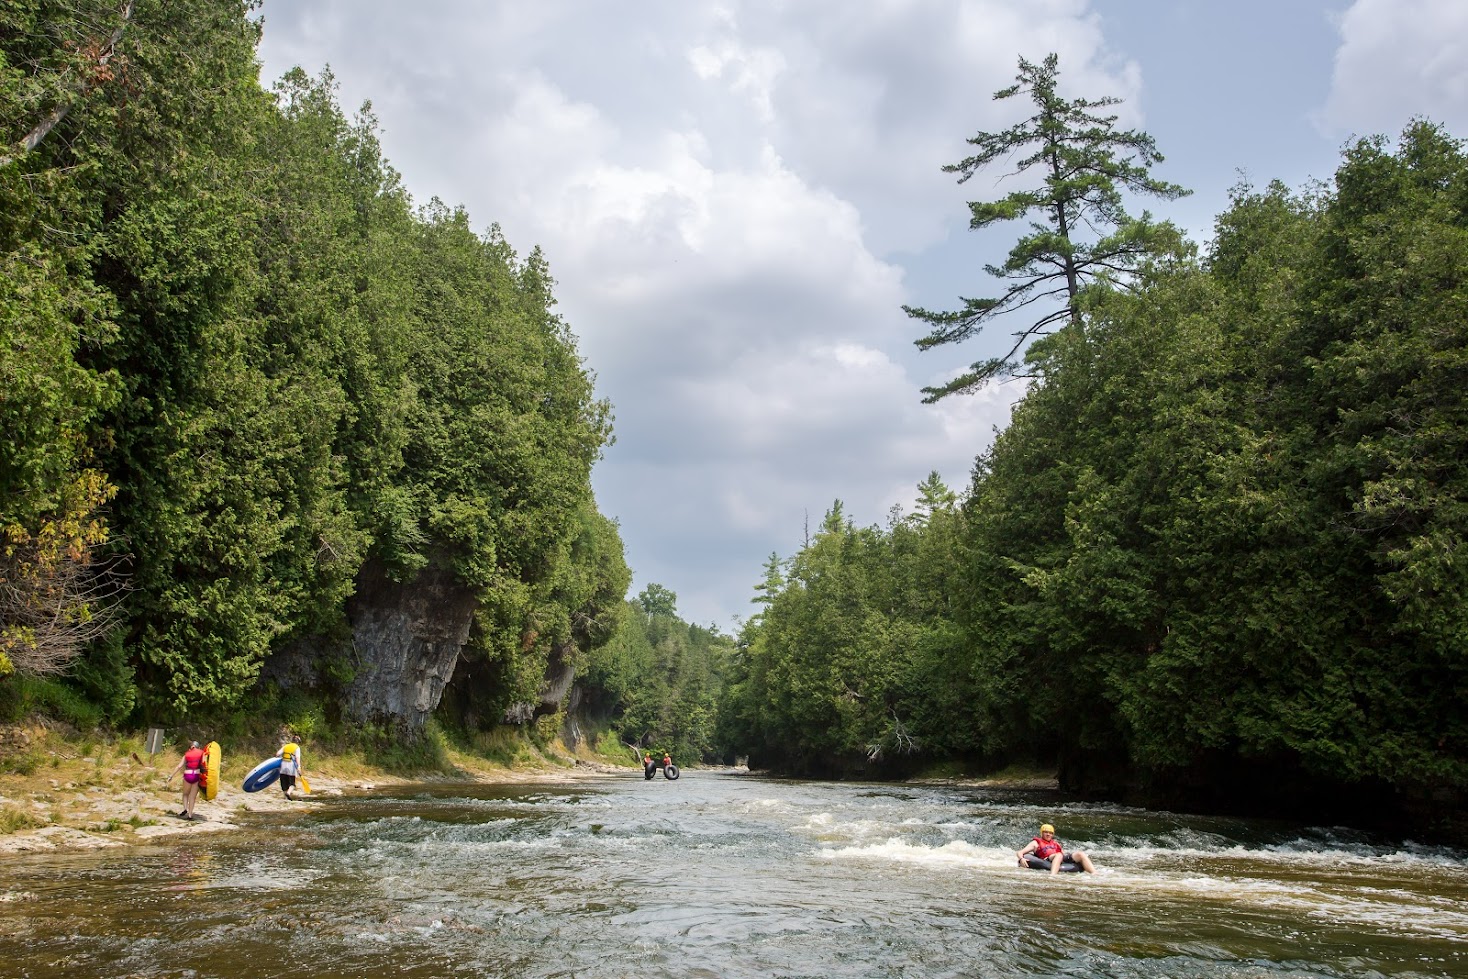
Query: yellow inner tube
x=213, y=762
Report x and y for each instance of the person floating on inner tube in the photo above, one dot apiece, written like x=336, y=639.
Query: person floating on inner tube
x=1045, y=848
x=192, y=766
x=290, y=766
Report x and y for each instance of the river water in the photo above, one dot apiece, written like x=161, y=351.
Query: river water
x=720, y=875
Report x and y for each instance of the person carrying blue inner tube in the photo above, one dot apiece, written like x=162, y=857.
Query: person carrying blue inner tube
x=291, y=766
x=1045, y=848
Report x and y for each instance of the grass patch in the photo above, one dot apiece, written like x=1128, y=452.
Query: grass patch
x=947, y=769
x=23, y=696
x=25, y=762
x=1022, y=772
x=503, y=747
x=14, y=820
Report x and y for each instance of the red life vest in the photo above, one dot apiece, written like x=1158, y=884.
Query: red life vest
x=1045, y=849
x=193, y=761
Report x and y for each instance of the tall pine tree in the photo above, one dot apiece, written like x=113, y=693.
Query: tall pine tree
x=1086, y=163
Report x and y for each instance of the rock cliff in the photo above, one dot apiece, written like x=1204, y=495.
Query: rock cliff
x=406, y=639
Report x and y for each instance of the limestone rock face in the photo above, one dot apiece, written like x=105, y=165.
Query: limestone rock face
x=560, y=673
x=406, y=638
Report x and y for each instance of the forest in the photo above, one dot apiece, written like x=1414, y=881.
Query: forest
x=241, y=370
x=1214, y=561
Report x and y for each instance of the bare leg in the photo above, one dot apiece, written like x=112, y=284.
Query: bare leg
x=190, y=798
x=1055, y=863
x=1079, y=856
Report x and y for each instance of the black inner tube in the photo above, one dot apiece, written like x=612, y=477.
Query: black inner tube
x=1067, y=866
x=670, y=771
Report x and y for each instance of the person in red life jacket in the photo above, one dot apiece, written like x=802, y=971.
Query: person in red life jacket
x=192, y=766
x=667, y=760
x=1048, y=849
x=649, y=767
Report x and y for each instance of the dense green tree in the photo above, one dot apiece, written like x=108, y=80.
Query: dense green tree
x=773, y=582
x=1215, y=554
x=134, y=174
x=659, y=680
x=840, y=670
x=224, y=321
x=658, y=600
x=1085, y=164
x=55, y=59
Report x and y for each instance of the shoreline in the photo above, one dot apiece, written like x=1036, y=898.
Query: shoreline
x=63, y=792
x=69, y=799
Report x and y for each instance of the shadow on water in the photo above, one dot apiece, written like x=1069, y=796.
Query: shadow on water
x=735, y=876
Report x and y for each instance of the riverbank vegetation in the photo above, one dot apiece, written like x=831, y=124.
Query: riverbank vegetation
x=657, y=684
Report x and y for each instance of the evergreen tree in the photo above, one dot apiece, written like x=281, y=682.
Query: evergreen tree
x=1086, y=164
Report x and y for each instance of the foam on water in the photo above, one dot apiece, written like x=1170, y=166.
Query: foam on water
x=954, y=854
x=739, y=877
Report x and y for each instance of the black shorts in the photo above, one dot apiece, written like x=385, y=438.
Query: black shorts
x=287, y=782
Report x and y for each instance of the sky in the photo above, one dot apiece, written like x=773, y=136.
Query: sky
x=737, y=198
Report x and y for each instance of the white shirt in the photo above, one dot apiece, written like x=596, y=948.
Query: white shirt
x=292, y=765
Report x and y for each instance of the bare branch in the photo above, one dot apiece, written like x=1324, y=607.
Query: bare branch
x=51, y=610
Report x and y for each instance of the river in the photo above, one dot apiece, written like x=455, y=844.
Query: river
x=721, y=875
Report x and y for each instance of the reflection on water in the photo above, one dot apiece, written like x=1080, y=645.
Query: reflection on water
x=717, y=875
x=190, y=869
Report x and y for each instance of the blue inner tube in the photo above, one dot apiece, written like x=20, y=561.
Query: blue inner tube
x=262, y=775
x=1067, y=866
x=670, y=771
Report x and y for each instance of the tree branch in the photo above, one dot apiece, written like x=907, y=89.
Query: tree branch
x=33, y=138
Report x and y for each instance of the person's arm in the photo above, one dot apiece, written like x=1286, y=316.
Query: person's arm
x=176, y=769
x=1029, y=848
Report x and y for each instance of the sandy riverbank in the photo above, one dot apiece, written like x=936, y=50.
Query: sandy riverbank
x=64, y=793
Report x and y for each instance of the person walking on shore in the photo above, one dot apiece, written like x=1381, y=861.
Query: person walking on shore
x=291, y=766
x=192, y=766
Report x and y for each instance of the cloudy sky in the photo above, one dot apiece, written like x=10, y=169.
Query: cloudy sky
x=736, y=198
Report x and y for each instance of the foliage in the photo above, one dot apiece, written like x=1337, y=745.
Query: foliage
x=1085, y=164
x=829, y=676
x=1217, y=553
x=23, y=696
x=238, y=365
x=54, y=593
x=660, y=679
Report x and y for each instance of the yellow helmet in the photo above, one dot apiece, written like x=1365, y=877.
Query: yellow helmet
x=1047, y=828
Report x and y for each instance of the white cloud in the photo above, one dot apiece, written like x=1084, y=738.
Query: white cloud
x=720, y=191
x=1397, y=59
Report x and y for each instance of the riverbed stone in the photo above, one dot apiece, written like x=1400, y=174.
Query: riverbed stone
x=55, y=838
